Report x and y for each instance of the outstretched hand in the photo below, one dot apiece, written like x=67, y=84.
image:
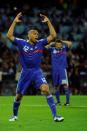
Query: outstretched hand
x=44, y=18
x=17, y=18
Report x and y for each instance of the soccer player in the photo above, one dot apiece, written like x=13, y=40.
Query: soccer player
x=58, y=51
x=30, y=54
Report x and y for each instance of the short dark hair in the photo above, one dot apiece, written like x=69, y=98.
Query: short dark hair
x=58, y=40
x=33, y=28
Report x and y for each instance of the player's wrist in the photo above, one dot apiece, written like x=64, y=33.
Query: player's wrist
x=48, y=21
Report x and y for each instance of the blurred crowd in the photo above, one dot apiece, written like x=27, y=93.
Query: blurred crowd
x=70, y=23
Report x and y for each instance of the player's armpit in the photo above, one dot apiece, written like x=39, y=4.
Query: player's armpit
x=11, y=38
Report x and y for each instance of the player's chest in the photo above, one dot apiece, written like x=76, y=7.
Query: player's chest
x=58, y=51
x=30, y=50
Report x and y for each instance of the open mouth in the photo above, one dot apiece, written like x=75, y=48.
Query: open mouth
x=36, y=38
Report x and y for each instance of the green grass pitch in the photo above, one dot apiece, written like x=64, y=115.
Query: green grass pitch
x=35, y=115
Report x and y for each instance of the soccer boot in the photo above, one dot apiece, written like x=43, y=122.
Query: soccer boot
x=66, y=104
x=58, y=118
x=14, y=118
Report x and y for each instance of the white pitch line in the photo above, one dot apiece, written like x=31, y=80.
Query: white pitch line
x=47, y=106
x=26, y=105
x=57, y=106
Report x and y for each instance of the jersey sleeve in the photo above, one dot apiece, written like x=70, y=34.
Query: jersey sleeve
x=18, y=42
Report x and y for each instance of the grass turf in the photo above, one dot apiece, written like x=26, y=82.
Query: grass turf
x=35, y=115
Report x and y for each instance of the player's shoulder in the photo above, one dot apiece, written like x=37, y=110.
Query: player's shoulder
x=19, y=42
x=40, y=40
x=64, y=46
x=20, y=39
x=43, y=42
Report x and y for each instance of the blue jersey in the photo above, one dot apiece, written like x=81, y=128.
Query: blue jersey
x=30, y=55
x=59, y=57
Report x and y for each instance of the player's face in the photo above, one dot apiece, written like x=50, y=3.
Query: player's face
x=58, y=45
x=33, y=35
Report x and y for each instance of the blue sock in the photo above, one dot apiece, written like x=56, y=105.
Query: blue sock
x=57, y=94
x=16, y=107
x=67, y=93
x=51, y=104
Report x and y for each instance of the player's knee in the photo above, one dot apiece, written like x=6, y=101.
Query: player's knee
x=45, y=89
x=18, y=97
x=65, y=86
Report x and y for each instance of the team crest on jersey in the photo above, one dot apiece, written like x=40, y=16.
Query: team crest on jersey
x=31, y=48
x=26, y=48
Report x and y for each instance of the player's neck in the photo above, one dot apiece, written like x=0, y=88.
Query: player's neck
x=30, y=42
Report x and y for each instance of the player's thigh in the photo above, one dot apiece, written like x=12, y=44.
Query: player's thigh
x=40, y=82
x=24, y=81
x=55, y=78
x=63, y=77
x=39, y=79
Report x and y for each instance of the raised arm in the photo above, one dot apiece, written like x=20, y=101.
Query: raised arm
x=10, y=33
x=52, y=31
x=50, y=45
x=68, y=43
